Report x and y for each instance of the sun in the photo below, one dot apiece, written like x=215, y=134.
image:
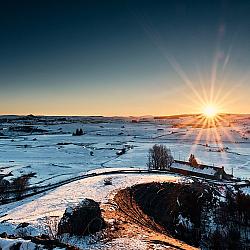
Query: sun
x=210, y=111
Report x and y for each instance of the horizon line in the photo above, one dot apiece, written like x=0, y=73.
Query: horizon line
x=94, y=115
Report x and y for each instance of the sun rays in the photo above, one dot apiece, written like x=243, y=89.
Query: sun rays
x=210, y=93
x=210, y=98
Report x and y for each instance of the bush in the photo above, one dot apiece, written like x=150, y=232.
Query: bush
x=192, y=161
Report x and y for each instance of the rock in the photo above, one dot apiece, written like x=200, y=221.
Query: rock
x=3, y=235
x=83, y=219
x=16, y=246
x=22, y=225
x=23, y=230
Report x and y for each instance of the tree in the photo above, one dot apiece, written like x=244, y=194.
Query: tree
x=78, y=132
x=4, y=186
x=20, y=184
x=192, y=161
x=159, y=157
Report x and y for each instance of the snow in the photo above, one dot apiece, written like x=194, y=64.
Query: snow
x=246, y=190
x=57, y=155
x=37, y=209
x=185, y=222
x=208, y=171
x=69, y=210
x=90, y=243
x=8, y=244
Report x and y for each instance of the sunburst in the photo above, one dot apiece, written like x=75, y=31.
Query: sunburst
x=209, y=94
x=210, y=125
x=210, y=111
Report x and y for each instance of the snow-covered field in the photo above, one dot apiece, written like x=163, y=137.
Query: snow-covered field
x=58, y=155
x=55, y=155
x=36, y=209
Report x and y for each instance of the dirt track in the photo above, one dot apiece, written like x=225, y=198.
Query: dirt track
x=133, y=222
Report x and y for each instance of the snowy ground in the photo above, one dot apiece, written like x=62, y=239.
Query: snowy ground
x=36, y=209
x=58, y=155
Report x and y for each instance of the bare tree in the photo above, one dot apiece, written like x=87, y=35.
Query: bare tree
x=159, y=157
x=4, y=186
x=20, y=184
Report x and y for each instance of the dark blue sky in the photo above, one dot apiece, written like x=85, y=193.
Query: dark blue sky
x=122, y=57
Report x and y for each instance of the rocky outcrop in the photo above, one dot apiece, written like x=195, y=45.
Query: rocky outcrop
x=197, y=213
x=176, y=207
x=83, y=219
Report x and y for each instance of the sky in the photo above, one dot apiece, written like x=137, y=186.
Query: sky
x=124, y=57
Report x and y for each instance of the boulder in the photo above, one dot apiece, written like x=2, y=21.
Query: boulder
x=22, y=225
x=82, y=219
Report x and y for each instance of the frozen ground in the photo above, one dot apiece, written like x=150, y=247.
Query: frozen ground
x=57, y=155
x=36, y=209
x=54, y=155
